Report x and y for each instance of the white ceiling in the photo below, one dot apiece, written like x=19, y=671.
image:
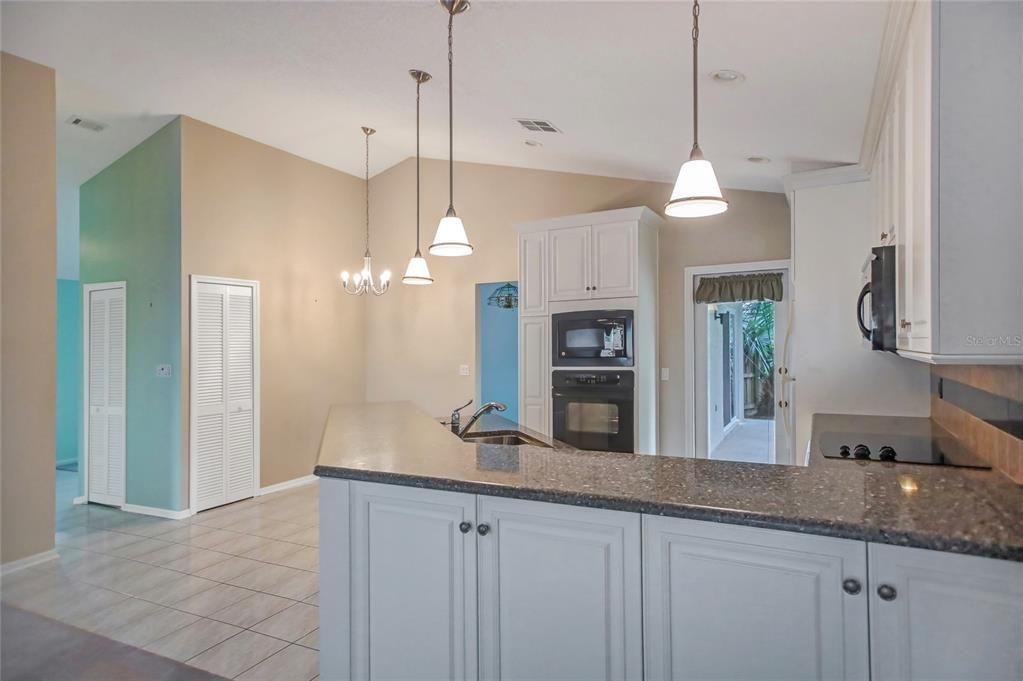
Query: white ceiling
x=613, y=76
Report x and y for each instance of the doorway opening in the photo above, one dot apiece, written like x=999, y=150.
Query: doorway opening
x=737, y=389
x=497, y=345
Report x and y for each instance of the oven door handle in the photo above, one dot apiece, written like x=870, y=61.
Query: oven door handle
x=601, y=395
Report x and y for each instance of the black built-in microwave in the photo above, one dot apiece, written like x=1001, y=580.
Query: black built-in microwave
x=882, y=332
x=592, y=338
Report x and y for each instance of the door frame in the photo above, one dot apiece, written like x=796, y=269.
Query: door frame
x=83, y=473
x=689, y=343
x=195, y=279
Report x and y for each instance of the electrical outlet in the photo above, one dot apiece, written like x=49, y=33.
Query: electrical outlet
x=163, y=370
x=463, y=370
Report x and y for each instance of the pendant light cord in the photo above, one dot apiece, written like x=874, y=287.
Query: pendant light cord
x=451, y=115
x=367, y=191
x=418, y=85
x=696, y=40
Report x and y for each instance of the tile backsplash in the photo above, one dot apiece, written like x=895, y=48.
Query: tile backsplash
x=982, y=406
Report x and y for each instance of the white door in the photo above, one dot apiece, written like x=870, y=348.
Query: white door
x=560, y=593
x=615, y=257
x=413, y=583
x=936, y=615
x=737, y=603
x=532, y=273
x=105, y=342
x=569, y=263
x=534, y=376
x=224, y=393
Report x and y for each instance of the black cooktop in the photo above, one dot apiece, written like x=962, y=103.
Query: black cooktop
x=897, y=448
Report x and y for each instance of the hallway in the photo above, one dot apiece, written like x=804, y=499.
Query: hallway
x=751, y=441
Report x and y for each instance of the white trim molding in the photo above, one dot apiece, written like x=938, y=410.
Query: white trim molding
x=892, y=41
x=931, y=358
x=854, y=172
x=158, y=512
x=28, y=561
x=79, y=500
x=287, y=484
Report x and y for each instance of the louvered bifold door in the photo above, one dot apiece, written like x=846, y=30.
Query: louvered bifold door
x=240, y=425
x=223, y=435
x=106, y=370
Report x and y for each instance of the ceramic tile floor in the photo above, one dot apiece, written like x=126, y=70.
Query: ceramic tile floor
x=232, y=590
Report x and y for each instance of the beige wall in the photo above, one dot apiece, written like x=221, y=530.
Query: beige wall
x=250, y=211
x=28, y=306
x=420, y=335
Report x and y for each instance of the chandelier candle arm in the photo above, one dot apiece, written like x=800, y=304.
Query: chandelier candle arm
x=451, y=239
x=418, y=272
x=697, y=192
x=363, y=282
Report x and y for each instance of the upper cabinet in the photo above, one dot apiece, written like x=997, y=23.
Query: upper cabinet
x=948, y=183
x=612, y=254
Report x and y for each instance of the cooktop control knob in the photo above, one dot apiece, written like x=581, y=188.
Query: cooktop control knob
x=844, y=451
x=861, y=452
x=886, y=453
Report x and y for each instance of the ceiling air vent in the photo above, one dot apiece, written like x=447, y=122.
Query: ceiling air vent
x=86, y=123
x=536, y=125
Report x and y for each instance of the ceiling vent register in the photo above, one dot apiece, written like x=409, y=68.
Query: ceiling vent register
x=79, y=122
x=536, y=125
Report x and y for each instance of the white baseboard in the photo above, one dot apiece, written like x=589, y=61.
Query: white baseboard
x=27, y=562
x=158, y=512
x=80, y=500
x=287, y=484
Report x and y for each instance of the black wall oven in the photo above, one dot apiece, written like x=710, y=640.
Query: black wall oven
x=593, y=409
x=592, y=338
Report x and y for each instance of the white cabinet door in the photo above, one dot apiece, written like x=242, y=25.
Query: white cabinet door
x=917, y=279
x=560, y=593
x=413, y=584
x=106, y=334
x=615, y=259
x=569, y=262
x=534, y=376
x=731, y=602
x=532, y=273
x=944, y=616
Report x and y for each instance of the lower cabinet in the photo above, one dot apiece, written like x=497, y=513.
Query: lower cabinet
x=425, y=584
x=732, y=602
x=560, y=593
x=937, y=615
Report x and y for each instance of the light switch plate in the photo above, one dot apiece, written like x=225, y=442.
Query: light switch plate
x=163, y=370
x=463, y=370
x=664, y=373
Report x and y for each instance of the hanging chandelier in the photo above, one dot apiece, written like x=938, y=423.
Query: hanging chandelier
x=418, y=272
x=697, y=193
x=451, y=239
x=362, y=282
x=505, y=297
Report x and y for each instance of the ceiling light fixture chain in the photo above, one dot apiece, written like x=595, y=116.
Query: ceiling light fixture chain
x=362, y=282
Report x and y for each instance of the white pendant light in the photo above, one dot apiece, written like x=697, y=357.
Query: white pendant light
x=697, y=193
x=418, y=272
x=451, y=239
x=362, y=282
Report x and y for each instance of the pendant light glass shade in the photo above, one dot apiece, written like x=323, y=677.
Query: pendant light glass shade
x=418, y=272
x=451, y=239
x=697, y=193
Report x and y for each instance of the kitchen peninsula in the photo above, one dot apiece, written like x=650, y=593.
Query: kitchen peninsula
x=444, y=558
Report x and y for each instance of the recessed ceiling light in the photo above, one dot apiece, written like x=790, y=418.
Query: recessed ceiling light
x=758, y=159
x=728, y=76
x=534, y=143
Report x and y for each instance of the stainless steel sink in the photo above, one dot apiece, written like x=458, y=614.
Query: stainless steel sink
x=514, y=439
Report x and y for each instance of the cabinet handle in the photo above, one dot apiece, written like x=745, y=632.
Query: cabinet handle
x=887, y=592
x=903, y=324
x=483, y=529
x=465, y=526
x=852, y=586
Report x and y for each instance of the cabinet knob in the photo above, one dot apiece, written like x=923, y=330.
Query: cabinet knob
x=587, y=288
x=887, y=592
x=852, y=586
x=483, y=529
x=465, y=526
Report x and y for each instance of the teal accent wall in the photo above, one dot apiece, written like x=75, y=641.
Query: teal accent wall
x=130, y=217
x=69, y=369
x=499, y=351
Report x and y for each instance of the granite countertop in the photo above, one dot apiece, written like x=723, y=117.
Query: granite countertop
x=933, y=507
